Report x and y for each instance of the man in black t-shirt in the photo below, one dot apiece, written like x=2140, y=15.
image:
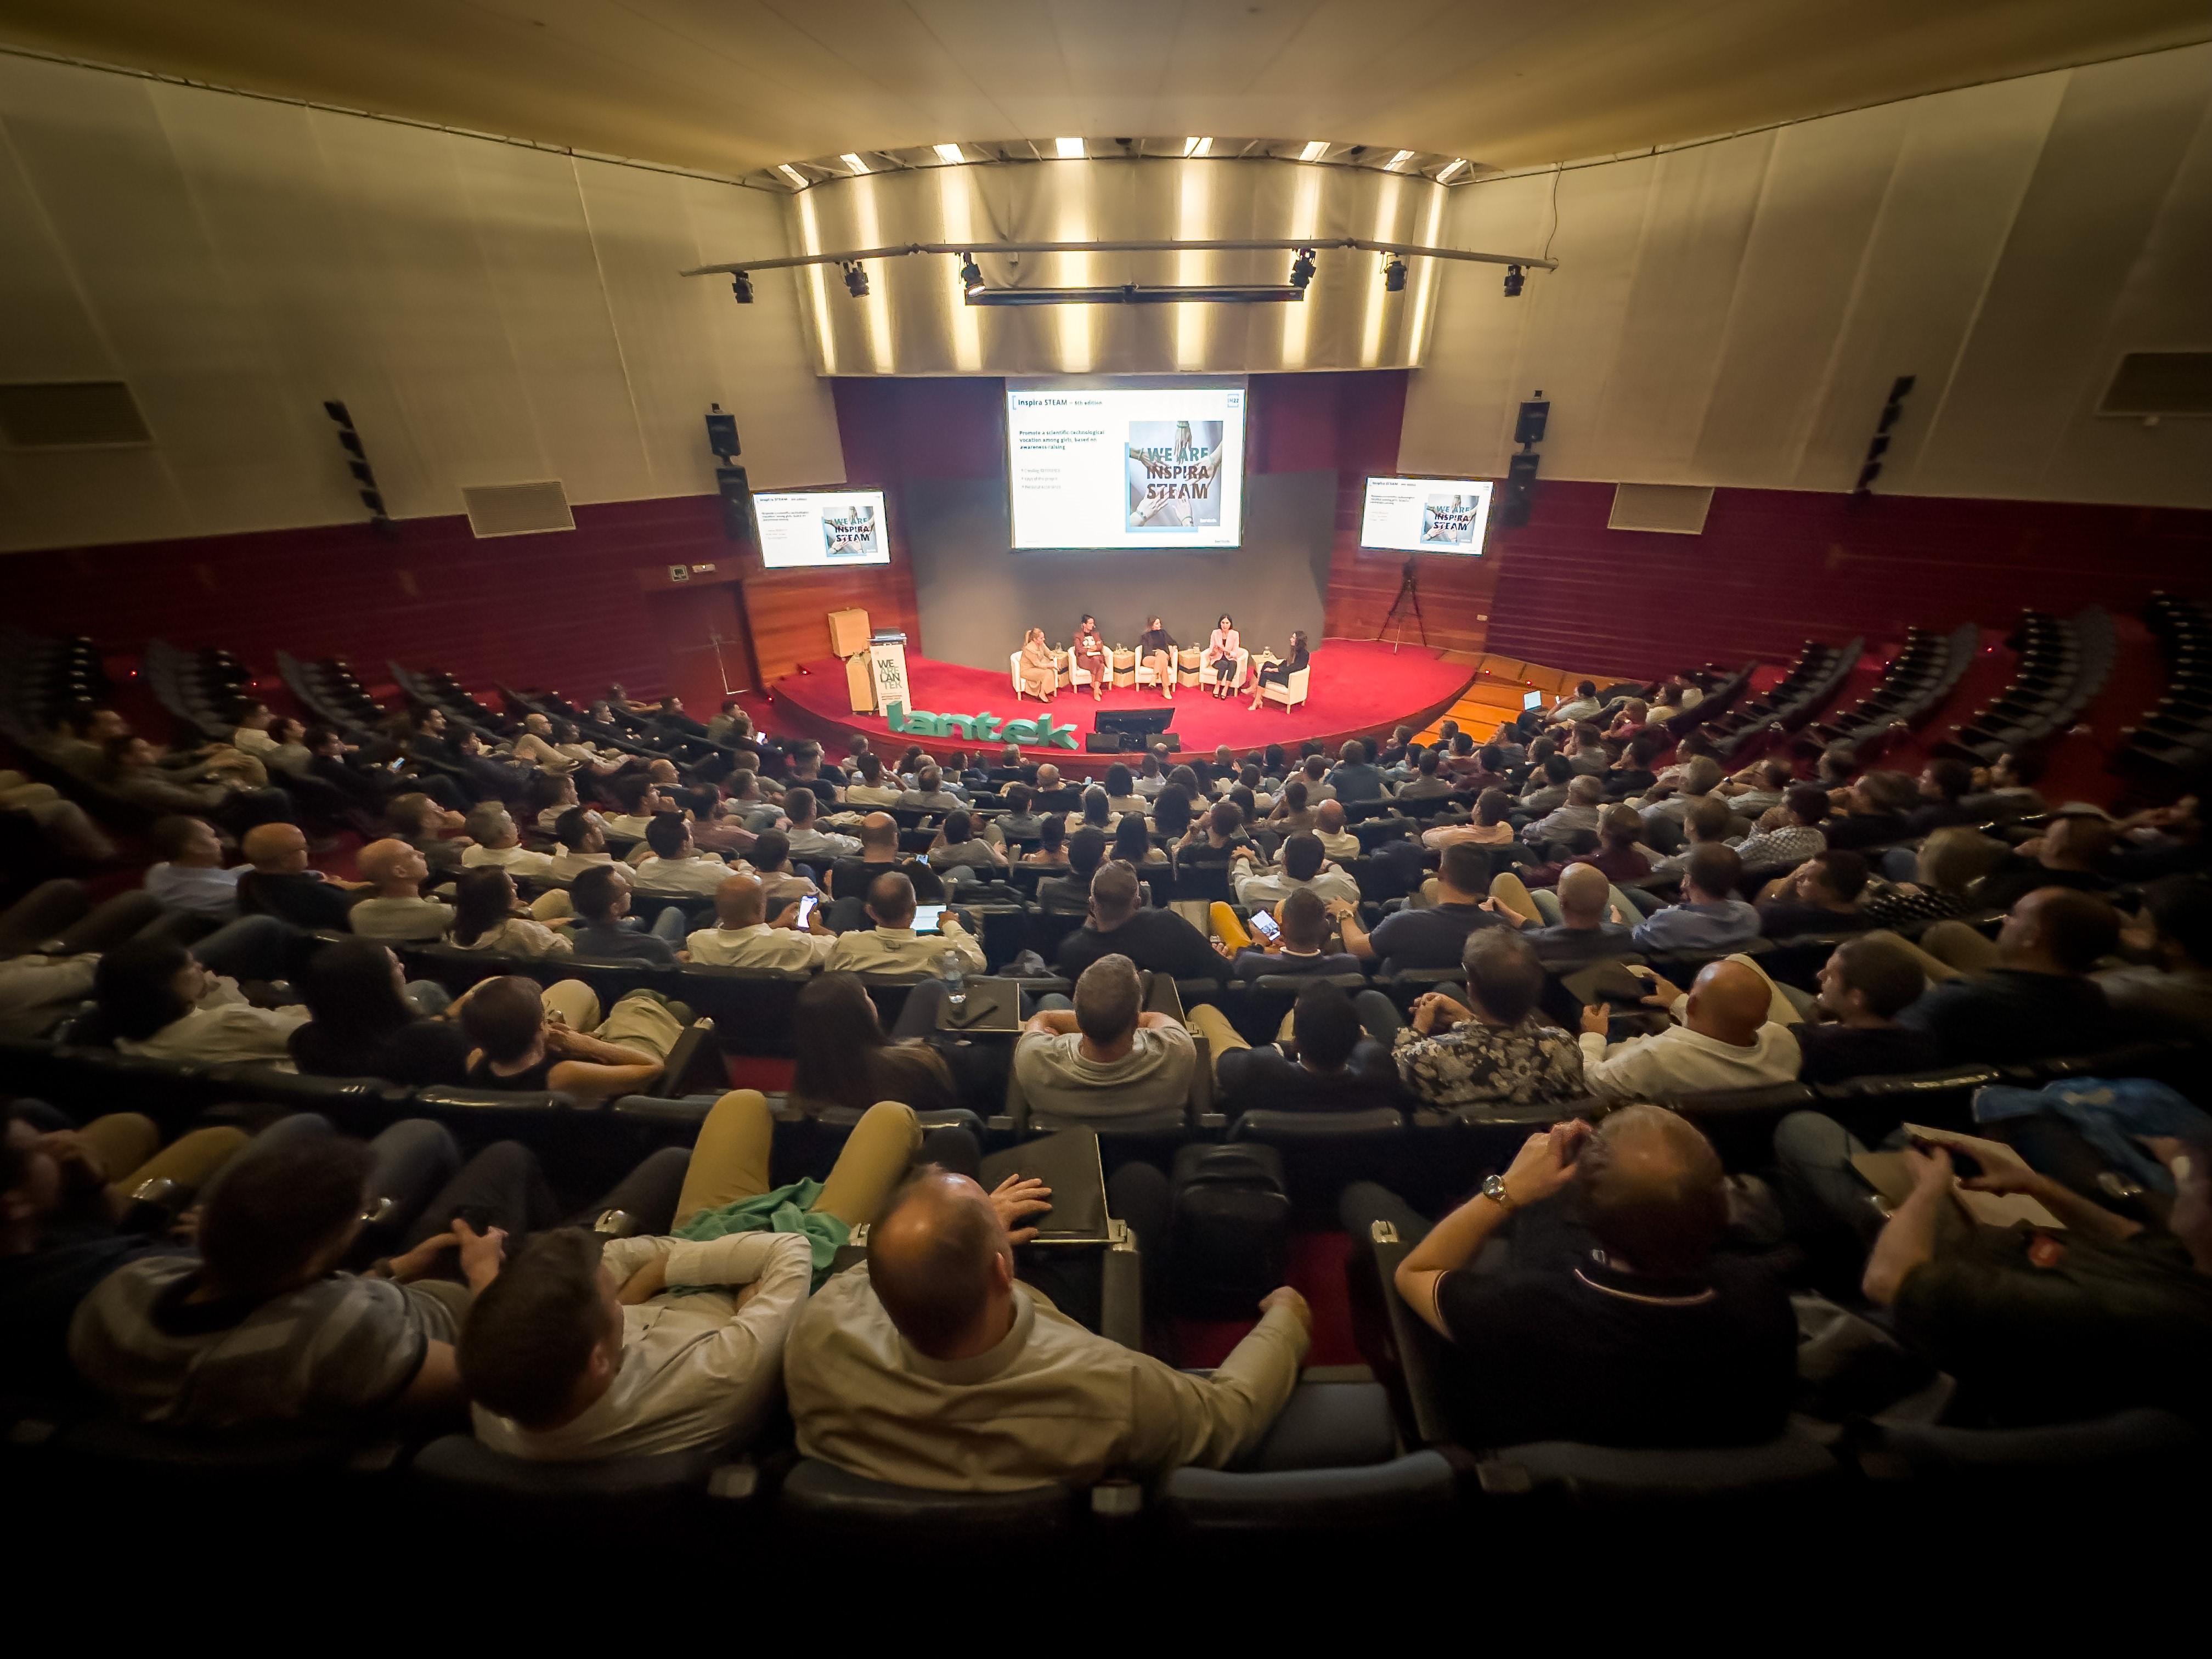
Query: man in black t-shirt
x=283, y=885
x=1820, y=896
x=1158, y=941
x=2038, y=1000
x=1864, y=985
x=1645, y=1338
x=847, y=879
x=1434, y=937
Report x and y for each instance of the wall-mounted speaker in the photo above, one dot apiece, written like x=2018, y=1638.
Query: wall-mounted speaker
x=736, y=504
x=1528, y=429
x=722, y=433
x=1516, y=499
x=364, y=476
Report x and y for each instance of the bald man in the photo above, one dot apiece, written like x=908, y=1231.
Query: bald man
x=931, y=1366
x=281, y=884
x=743, y=937
x=1614, y=1323
x=1593, y=918
x=394, y=907
x=1727, y=1039
x=1336, y=840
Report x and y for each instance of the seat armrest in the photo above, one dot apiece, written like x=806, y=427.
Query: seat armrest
x=1418, y=1350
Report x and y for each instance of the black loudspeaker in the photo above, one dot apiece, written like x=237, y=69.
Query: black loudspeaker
x=1529, y=428
x=722, y=433
x=736, y=504
x=1102, y=742
x=1171, y=741
x=1143, y=724
x=1514, y=501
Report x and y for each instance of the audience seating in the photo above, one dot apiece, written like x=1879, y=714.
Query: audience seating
x=2169, y=750
x=1819, y=672
x=1917, y=682
x=203, y=692
x=2064, y=663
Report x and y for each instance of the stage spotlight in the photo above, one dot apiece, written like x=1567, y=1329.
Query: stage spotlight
x=1394, y=275
x=971, y=274
x=856, y=282
x=1301, y=269
x=1514, y=278
x=742, y=286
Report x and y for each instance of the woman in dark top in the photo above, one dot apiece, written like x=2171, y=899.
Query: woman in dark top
x=364, y=1026
x=1171, y=812
x=1156, y=651
x=1132, y=842
x=1278, y=673
x=1089, y=651
x=846, y=1060
x=1052, y=840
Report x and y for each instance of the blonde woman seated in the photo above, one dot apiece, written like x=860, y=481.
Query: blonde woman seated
x=1040, y=678
x=486, y=918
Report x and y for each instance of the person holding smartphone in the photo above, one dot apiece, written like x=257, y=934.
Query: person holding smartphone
x=798, y=940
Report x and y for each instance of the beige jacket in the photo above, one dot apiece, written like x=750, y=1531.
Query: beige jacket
x=1053, y=1401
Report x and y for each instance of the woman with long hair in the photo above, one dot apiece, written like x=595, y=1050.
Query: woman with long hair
x=1052, y=840
x=1096, y=813
x=846, y=1060
x=484, y=918
x=1171, y=811
x=365, y=1026
x=1278, y=673
x=1221, y=649
x=1037, y=675
x=1089, y=650
x=1156, y=651
x=1132, y=842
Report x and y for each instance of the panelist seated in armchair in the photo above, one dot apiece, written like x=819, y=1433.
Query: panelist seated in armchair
x=1611, y=1319
x=931, y=1366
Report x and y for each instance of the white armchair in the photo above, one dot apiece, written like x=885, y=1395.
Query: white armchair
x=1289, y=696
x=1077, y=674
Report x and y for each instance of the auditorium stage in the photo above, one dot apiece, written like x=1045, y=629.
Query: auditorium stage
x=1359, y=685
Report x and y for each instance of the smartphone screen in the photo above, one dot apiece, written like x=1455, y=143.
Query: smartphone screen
x=1264, y=926
x=807, y=909
x=926, y=917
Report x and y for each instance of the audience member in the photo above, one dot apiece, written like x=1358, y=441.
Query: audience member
x=159, y=1002
x=2035, y=996
x=494, y=840
x=931, y=1366
x=1709, y=916
x=1118, y=923
x=1432, y=938
x=1727, y=1040
x=743, y=937
x=1323, y=1061
x=1944, y=784
x=283, y=885
x=1948, y=864
x=1792, y=844
x=1106, y=1057
x=191, y=875
x=1864, y=985
x=1339, y=843
x=1822, y=895
x=1585, y=931
x=604, y=931
x=1615, y=1320
x=1497, y=1047
x=368, y=1021
x=1573, y=824
x=892, y=948
x=394, y=907
x=1875, y=814
x=1355, y=777
x=929, y=793
x=1304, y=867
x=675, y=865
x=2173, y=995
x=529, y=1039
x=1492, y=825
x=845, y=1062
x=2070, y=853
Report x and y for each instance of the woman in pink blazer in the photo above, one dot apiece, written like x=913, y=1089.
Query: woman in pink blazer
x=1221, y=657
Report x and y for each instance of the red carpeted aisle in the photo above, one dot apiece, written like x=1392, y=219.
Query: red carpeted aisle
x=1358, y=685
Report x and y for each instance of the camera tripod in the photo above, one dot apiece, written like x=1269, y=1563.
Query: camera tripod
x=1409, y=594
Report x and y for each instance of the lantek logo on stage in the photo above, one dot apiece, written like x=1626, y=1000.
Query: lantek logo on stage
x=979, y=728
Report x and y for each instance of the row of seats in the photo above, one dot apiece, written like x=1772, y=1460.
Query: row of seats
x=2172, y=747
x=2063, y=664
x=1918, y=681
x=1807, y=687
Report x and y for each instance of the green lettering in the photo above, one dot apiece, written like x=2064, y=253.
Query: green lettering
x=895, y=716
x=1060, y=737
x=986, y=728
x=1021, y=731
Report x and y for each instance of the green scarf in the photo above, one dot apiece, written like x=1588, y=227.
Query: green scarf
x=786, y=1210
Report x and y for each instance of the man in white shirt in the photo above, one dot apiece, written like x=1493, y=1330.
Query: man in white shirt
x=1727, y=1039
x=498, y=842
x=674, y=865
x=874, y=789
x=641, y=802
x=396, y=908
x=583, y=844
x=1106, y=1057
x=1303, y=865
x=892, y=946
x=191, y=876
x=929, y=793
x=1583, y=706
x=742, y=938
x=1336, y=840
x=809, y=840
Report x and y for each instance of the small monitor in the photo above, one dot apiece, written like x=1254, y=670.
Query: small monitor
x=1533, y=700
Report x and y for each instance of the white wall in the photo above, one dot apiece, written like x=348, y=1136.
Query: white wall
x=1734, y=313
x=488, y=312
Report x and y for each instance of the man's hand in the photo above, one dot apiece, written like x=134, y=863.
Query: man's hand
x=1342, y=909
x=81, y=1167
x=1431, y=1008
x=1930, y=1169
x=787, y=917
x=1662, y=994
x=481, y=1252
x=1597, y=1019
x=404, y=1269
x=1017, y=1196
x=646, y=1283
x=1619, y=920
x=560, y=1040
x=1545, y=1162
x=1283, y=1297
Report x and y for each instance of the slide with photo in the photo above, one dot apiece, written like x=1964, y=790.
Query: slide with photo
x=822, y=527
x=1142, y=462
x=1426, y=515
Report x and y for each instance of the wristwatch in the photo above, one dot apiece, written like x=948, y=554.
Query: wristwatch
x=1494, y=1189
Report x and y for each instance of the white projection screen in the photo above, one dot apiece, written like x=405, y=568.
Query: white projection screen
x=1120, y=462
x=802, y=527
x=1426, y=515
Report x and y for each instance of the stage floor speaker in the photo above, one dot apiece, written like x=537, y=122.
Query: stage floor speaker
x=1102, y=742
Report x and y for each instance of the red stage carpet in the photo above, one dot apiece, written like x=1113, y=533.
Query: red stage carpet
x=1358, y=685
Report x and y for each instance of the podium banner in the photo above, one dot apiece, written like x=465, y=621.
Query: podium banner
x=887, y=673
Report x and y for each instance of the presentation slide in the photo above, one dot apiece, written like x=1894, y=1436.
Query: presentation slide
x=1426, y=515
x=822, y=527
x=1126, y=463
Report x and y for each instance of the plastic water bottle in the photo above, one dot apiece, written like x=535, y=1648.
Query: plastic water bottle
x=954, y=972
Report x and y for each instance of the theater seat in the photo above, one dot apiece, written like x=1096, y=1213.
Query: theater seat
x=2143, y=1444
x=1788, y=1468
x=1393, y=1496
x=826, y=1504
x=464, y=1472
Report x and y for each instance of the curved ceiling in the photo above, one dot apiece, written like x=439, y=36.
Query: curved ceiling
x=731, y=86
